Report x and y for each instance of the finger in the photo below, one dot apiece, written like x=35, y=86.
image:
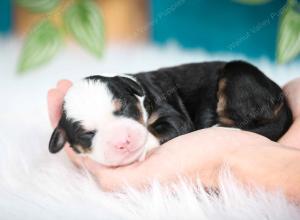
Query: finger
x=292, y=93
x=55, y=100
x=75, y=158
x=104, y=176
x=93, y=167
x=291, y=87
x=63, y=85
x=110, y=179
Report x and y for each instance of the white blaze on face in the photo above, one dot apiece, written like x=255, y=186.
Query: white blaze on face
x=91, y=103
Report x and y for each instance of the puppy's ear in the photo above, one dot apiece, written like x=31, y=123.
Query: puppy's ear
x=133, y=86
x=57, y=141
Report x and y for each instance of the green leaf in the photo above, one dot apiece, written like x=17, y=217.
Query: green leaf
x=83, y=20
x=38, y=5
x=42, y=43
x=288, y=45
x=253, y=2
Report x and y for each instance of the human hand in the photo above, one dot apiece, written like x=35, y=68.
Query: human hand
x=292, y=92
x=55, y=100
x=198, y=154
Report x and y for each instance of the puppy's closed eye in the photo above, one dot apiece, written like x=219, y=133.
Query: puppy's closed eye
x=86, y=138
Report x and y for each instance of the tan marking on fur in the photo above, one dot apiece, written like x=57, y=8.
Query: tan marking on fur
x=117, y=104
x=226, y=121
x=139, y=106
x=153, y=117
x=221, y=96
x=82, y=150
x=151, y=120
x=221, y=105
x=278, y=108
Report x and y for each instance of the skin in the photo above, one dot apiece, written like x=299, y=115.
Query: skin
x=252, y=158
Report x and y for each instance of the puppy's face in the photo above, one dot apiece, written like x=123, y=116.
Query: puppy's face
x=105, y=118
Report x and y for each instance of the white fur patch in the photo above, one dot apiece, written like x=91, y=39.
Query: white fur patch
x=129, y=77
x=144, y=112
x=231, y=128
x=90, y=102
x=141, y=99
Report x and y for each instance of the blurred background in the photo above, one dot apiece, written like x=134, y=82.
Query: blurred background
x=255, y=28
x=42, y=41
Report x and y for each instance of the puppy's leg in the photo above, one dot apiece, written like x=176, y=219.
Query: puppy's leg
x=248, y=100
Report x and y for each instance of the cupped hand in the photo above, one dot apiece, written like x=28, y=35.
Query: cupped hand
x=198, y=154
x=55, y=100
x=292, y=93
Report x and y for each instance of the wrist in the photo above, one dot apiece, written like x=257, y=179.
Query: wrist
x=248, y=155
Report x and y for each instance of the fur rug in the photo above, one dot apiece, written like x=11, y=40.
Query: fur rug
x=37, y=185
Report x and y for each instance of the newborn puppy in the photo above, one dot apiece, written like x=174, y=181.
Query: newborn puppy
x=116, y=120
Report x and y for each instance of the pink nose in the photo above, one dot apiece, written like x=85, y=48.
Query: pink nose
x=123, y=144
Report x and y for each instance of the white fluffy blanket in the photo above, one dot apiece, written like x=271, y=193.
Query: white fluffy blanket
x=37, y=185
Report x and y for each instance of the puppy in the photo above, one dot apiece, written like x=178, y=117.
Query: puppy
x=116, y=120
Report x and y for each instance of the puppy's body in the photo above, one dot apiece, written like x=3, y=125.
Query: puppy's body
x=199, y=95
x=181, y=99
x=166, y=103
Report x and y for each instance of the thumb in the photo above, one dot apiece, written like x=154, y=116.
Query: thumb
x=115, y=179
x=55, y=100
x=92, y=166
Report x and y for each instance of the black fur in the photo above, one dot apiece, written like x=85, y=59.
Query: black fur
x=72, y=132
x=187, y=98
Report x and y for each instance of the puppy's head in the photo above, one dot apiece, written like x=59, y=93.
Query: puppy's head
x=105, y=118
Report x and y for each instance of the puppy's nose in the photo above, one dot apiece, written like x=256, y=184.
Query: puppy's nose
x=123, y=145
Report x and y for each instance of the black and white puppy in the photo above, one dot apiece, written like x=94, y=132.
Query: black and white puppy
x=116, y=120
